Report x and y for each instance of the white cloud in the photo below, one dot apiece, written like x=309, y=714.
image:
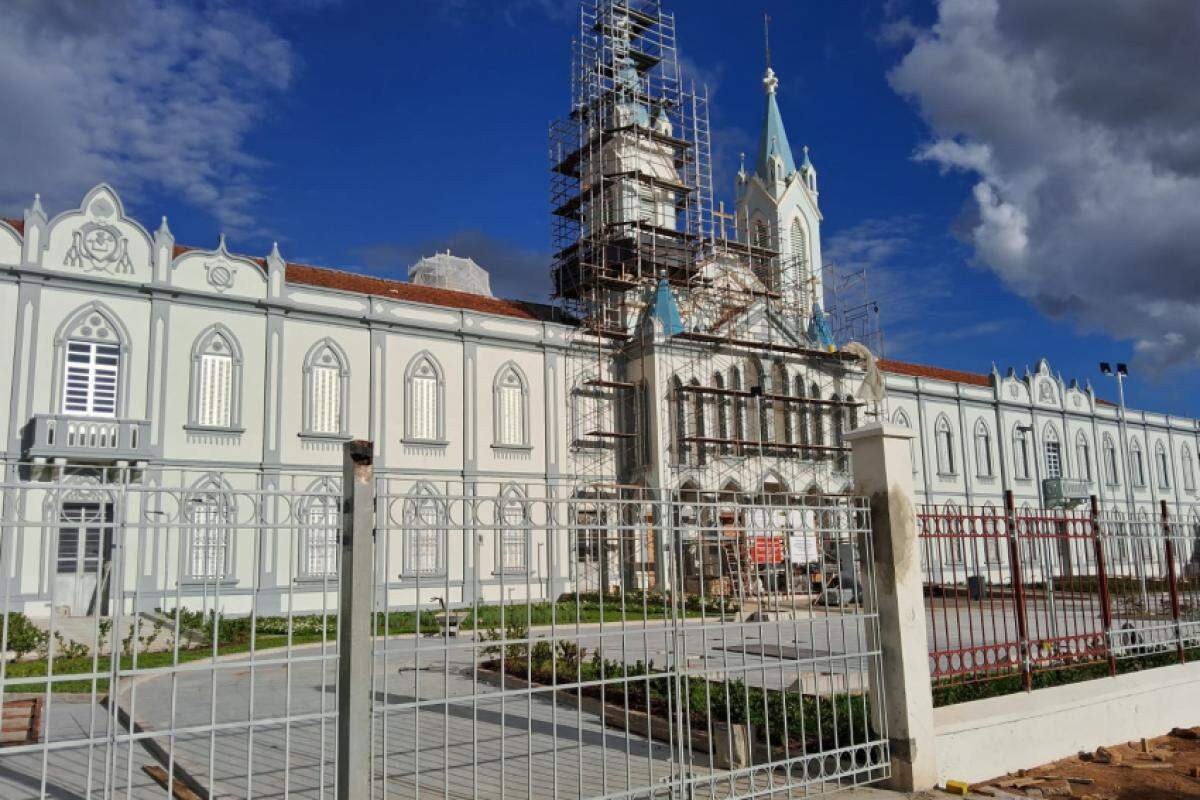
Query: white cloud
x=143, y=93
x=1081, y=124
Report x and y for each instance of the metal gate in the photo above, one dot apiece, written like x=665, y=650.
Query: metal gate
x=717, y=649
x=615, y=646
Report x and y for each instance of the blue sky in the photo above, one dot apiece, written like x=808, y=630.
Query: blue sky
x=361, y=135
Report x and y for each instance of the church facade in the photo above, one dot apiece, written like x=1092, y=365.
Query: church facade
x=687, y=360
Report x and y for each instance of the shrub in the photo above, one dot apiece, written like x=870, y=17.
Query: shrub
x=23, y=636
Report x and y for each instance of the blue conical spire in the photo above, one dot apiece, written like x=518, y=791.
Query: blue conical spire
x=665, y=310
x=774, y=141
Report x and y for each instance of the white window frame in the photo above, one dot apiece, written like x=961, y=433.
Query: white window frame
x=320, y=518
x=426, y=530
x=326, y=360
x=983, y=451
x=434, y=381
x=215, y=345
x=210, y=517
x=88, y=377
x=512, y=534
x=943, y=442
x=510, y=395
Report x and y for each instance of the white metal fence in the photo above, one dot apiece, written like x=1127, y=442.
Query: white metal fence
x=182, y=628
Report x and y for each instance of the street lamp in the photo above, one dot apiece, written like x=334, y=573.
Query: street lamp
x=1121, y=373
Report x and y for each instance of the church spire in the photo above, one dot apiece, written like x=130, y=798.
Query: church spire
x=774, y=141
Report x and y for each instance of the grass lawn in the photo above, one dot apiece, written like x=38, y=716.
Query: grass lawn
x=272, y=632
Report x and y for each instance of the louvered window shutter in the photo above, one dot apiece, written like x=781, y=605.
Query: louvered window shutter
x=91, y=379
x=424, y=404
x=326, y=400
x=214, y=403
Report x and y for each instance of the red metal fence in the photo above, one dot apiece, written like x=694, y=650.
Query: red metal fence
x=1017, y=591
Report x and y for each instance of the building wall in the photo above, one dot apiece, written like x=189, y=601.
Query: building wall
x=161, y=300
x=1049, y=408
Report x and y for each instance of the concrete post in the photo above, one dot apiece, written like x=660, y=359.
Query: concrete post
x=354, y=622
x=900, y=688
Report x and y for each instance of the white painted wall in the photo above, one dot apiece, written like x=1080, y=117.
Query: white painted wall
x=987, y=738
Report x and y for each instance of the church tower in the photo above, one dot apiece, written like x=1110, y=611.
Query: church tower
x=777, y=208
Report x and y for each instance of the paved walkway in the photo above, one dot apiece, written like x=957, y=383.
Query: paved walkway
x=438, y=732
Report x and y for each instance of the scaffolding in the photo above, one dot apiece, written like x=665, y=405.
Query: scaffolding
x=738, y=381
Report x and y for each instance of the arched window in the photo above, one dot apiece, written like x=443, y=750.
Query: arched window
x=840, y=460
x=723, y=403
x=697, y=425
x=215, y=400
x=983, y=450
x=679, y=401
x=512, y=542
x=1021, y=463
x=91, y=348
x=818, y=423
x=739, y=408
x=1162, y=465
x=1053, y=450
x=511, y=408
x=1138, y=462
x=1083, y=457
x=762, y=234
x=993, y=532
x=425, y=523
x=944, y=446
x=900, y=419
x=800, y=257
x=802, y=419
x=1189, y=469
x=1112, y=471
x=320, y=522
x=424, y=393
x=780, y=385
x=208, y=519
x=326, y=387
x=956, y=551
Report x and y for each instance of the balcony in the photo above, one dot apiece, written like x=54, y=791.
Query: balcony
x=93, y=439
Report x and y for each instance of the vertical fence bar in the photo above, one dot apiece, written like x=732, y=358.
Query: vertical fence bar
x=1014, y=557
x=354, y=622
x=1106, y=615
x=1172, y=580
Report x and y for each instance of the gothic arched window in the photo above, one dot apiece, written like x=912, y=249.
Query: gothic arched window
x=1138, y=462
x=943, y=436
x=320, y=523
x=511, y=407
x=1053, y=451
x=91, y=348
x=1083, y=457
x=425, y=522
x=326, y=387
x=215, y=400
x=208, y=520
x=424, y=393
x=983, y=450
x=1189, y=469
x=512, y=541
x=1112, y=470
x=1162, y=463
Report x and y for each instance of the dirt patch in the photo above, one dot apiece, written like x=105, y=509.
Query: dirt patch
x=1166, y=768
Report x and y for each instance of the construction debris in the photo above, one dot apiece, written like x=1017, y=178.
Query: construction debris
x=1105, y=756
x=958, y=787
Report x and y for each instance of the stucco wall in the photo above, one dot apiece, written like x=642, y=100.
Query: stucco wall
x=987, y=738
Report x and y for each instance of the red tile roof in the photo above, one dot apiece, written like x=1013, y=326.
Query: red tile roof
x=937, y=373
x=950, y=375
x=19, y=224
x=340, y=280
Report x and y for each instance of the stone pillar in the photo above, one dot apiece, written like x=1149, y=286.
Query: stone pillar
x=900, y=690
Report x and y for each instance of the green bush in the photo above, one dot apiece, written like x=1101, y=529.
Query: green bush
x=23, y=636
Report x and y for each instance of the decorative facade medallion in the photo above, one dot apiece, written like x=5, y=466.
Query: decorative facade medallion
x=99, y=247
x=220, y=277
x=1014, y=391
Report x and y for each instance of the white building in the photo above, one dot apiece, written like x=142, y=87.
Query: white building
x=684, y=365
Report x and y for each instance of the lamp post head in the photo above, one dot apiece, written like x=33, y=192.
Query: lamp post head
x=1122, y=370
x=1105, y=368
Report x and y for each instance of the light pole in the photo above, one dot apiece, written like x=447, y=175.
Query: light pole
x=1121, y=373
